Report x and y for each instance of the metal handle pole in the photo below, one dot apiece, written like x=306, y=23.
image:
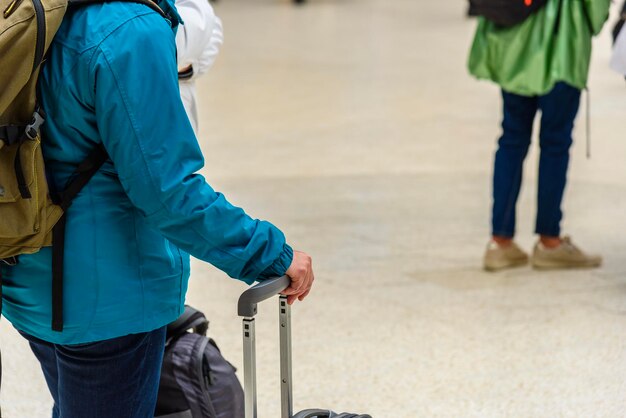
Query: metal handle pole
x=247, y=305
x=249, y=367
x=285, y=358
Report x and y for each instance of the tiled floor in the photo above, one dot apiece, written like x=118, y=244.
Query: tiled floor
x=353, y=125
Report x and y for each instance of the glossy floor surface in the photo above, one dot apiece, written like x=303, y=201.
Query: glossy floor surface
x=353, y=125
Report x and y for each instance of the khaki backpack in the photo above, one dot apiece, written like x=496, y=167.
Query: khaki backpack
x=31, y=217
x=27, y=213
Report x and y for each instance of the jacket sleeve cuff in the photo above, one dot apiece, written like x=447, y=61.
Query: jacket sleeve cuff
x=280, y=265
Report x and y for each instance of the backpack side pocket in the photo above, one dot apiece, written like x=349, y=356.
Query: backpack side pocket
x=23, y=198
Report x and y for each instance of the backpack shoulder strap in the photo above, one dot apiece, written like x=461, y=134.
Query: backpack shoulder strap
x=191, y=319
x=85, y=171
x=151, y=4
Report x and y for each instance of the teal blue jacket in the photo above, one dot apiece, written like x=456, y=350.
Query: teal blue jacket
x=111, y=78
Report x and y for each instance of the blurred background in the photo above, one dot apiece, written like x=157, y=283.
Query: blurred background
x=354, y=126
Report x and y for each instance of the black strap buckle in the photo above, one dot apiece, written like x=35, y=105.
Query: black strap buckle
x=33, y=127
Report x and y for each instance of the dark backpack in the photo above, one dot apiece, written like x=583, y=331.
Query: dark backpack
x=196, y=381
x=505, y=13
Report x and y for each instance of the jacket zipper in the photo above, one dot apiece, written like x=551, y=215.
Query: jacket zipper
x=41, y=33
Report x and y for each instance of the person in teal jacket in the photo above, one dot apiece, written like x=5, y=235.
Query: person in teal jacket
x=111, y=78
x=541, y=64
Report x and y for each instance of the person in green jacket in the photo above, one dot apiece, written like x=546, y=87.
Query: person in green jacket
x=540, y=64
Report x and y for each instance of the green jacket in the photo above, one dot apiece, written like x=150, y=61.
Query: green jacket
x=528, y=59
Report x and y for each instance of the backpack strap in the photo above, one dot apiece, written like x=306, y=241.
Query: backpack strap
x=151, y=4
x=190, y=319
x=81, y=176
x=85, y=171
x=10, y=134
x=24, y=133
x=19, y=174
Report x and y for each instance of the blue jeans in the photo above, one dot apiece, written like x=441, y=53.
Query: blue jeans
x=558, y=112
x=112, y=378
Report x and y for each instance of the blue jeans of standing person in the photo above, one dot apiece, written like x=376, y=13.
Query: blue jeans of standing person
x=117, y=378
x=558, y=111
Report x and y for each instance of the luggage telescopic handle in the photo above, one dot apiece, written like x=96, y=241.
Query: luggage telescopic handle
x=247, y=306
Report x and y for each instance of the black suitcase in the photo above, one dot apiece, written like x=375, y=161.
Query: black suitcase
x=247, y=308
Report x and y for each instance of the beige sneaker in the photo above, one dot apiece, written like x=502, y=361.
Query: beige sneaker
x=565, y=256
x=500, y=258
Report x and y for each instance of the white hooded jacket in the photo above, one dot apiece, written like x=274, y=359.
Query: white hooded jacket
x=198, y=42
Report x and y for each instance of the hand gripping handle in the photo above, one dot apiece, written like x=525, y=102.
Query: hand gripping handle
x=247, y=305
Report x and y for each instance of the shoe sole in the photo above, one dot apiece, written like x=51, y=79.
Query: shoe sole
x=547, y=265
x=510, y=265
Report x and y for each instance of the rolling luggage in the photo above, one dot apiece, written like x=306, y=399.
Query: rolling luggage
x=247, y=309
